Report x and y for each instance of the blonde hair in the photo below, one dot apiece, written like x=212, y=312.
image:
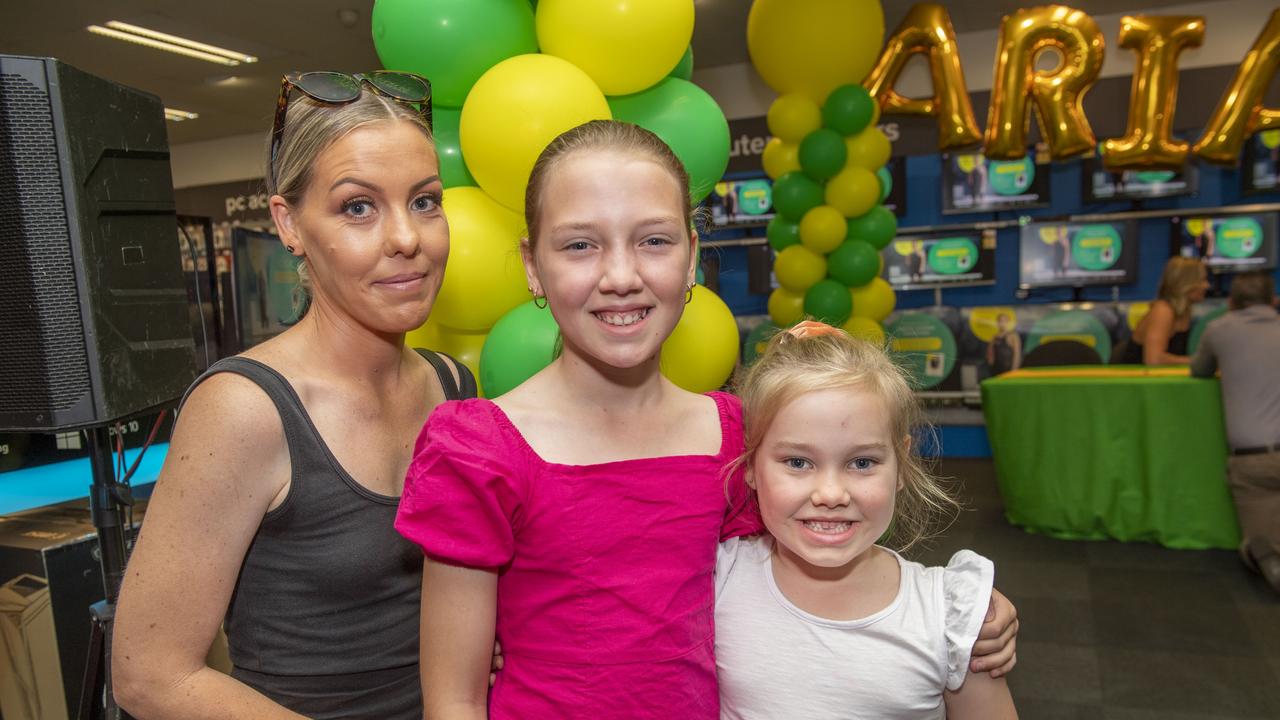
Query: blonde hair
x=310, y=128
x=615, y=135
x=791, y=367
x=1181, y=275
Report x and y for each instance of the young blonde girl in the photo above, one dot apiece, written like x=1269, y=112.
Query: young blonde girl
x=817, y=620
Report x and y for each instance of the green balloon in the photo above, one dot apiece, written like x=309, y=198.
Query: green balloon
x=444, y=127
x=782, y=233
x=848, y=109
x=687, y=119
x=876, y=227
x=451, y=42
x=794, y=194
x=684, y=68
x=828, y=301
x=855, y=263
x=520, y=344
x=822, y=153
x=886, y=182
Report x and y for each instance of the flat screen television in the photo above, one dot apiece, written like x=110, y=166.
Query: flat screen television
x=1262, y=163
x=913, y=262
x=741, y=202
x=264, y=285
x=1075, y=254
x=1227, y=243
x=1102, y=185
x=972, y=183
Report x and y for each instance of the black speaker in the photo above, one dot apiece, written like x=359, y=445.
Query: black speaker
x=94, y=319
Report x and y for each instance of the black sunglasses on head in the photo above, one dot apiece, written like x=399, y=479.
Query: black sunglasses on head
x=338, y=88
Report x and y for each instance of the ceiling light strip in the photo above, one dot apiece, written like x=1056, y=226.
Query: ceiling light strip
x=138, y=40
x=184, y=42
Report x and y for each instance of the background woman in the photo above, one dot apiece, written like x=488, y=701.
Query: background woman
x=275, y=505
x=1161, y=336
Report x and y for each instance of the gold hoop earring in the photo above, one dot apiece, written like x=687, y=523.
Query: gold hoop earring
x=688, y=298
x=543, y=298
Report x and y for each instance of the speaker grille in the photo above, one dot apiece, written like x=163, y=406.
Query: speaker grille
x=41, y=333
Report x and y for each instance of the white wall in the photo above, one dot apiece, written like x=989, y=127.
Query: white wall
x=1231, y=28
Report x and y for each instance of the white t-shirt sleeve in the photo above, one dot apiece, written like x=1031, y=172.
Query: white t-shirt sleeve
x=966, y=592
x=726, y=556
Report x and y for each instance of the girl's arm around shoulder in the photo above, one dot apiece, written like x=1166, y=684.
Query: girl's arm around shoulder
x=227, y=464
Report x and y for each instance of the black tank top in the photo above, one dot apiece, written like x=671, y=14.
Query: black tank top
x=1178, y=344
x=324, y=616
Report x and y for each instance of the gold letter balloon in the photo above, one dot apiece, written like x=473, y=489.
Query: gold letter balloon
x=1240, y=113
x=927, y=30
x=1149, y=143
x=1057, y=94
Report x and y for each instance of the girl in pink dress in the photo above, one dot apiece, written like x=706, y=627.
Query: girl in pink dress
x=576, y=518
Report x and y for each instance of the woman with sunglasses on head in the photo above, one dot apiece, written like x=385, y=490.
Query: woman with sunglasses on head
x=273, y=512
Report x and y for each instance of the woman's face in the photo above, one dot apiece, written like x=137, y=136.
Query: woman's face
x=614, y=255
x=1198, y=291
x=371, y=227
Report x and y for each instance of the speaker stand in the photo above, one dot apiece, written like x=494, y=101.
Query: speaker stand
x=107, y=498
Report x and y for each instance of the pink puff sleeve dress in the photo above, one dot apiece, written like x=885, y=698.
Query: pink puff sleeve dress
x=606, y=585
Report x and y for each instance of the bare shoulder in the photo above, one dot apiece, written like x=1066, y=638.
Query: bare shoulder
x=1161, y=310
x=228, y=428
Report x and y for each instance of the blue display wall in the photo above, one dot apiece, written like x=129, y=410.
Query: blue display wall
x=1217, y=187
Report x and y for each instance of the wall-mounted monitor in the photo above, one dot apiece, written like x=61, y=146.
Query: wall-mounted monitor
x=972, y=183
x=264, y=285
x=914, y=262
x=1102, y=185
x=741, y=202
x=1227, y=243
x=1075, y=254
x=1261, y=170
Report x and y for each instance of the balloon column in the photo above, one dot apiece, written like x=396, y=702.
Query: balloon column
x=498, y=102
x=827, y=160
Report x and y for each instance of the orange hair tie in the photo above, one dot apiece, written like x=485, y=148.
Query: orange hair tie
x=812, y=328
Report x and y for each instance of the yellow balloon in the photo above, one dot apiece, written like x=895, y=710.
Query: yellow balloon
x=798, y=268
x=866, y=329
x=792, y=116
x=823, y=228
x=873, y=301
x=853, y=191
x=868, y=149
x=701, y=352
x=514, y=110
x=624, y=46
x=484, y=277
x=780, y=157
x=463, y=347
x=426, y=336
x=814, y=46
x=785, y=307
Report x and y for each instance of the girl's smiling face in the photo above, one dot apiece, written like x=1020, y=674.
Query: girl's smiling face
x=826, y=475
x=614, y=255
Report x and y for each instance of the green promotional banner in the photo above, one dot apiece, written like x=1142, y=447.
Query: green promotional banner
x=924, y=347
x=952, y=256
x=1238, y=237
x=1096, y=247
x=755, y=197
x=1071, y=326
x=1011, y=177
x=282, y=283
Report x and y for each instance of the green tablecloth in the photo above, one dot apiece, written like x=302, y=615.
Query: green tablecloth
x=1080, y=454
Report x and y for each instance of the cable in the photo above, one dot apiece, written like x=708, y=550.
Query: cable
x=195, y=267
